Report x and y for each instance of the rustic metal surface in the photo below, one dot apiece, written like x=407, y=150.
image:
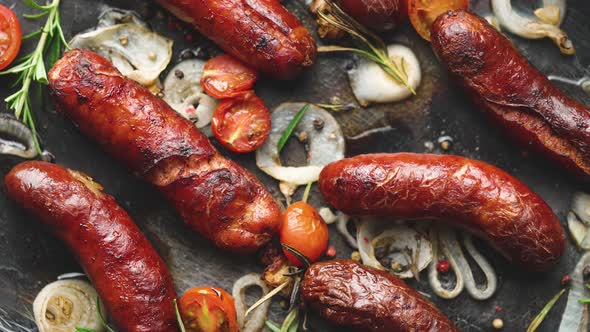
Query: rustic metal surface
x=30, y=257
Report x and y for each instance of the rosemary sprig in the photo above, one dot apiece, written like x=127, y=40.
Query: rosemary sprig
x=541, y=316
x=291, y=127
x=371, y=46
x=178, y=317
x=31, y=68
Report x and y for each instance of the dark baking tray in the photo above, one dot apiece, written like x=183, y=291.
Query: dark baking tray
x=30, y=257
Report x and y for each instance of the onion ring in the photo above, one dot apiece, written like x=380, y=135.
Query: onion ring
x=257, y=318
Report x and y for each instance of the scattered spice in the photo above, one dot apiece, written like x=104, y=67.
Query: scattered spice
x=331, y=252
x=445, y=145
x=498, y=324
x=152, y=56
x=179, y=74
x=499, y=308
x=124, y=40
x=284, y=304
x=443, y=266
x=318, y=124
x=303, y=137
x=355, y=256
x=160, y=94
x=566, y=280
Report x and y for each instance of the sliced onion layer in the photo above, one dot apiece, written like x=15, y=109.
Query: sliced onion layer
x=255, y=320
x=528, y=26
x=135, y=51
x=64, y=305
x=575, y=316
x=325, y=145
x=404, y=244
x=183, y=92
x=370, y=84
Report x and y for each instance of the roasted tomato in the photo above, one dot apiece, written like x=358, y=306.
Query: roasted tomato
x=241, y=123
x=10, y=36
x=225, y=76
x=303, y=229
x=424, y=12
x=208, y=309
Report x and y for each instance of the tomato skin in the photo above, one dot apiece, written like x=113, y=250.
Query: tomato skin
x=10, y=36
x=241, y=123
x=224, y=77
x=208, y=309
x=423, y=13
x=304, y=229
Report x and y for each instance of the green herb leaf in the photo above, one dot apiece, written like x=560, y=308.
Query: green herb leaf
x=291, y=127
x=306, y=192
x=83, y=329
x=101, y=317
x=179, y=317
x=301, y=257
x=267, y=297
x=272, y=326
x=541, y=316
x=291, y=323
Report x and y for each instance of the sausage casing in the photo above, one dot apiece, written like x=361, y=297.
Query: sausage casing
x=218, y=198
x=458, y=191
x=348, y=294
x=131, y=279
x=510, y=91
x=261, y=33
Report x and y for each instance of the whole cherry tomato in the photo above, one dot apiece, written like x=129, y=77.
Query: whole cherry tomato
x=225, y=76
x=303, y=229
x=423, y=13
x=208, y=309
x=10, y=36
x=241, y=123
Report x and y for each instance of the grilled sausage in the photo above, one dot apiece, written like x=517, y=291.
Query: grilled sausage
x=348, y=294
x=261, y=33
x=378, y=15
x=516, y=96
x=218, y=198
x=131, y=279
x=461, y=192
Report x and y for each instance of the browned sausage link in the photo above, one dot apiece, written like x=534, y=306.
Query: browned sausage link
x=237, y=213
x=131, y=279
x=510, y=91
x=261, y=33
x=348, y=294
x=459, y=191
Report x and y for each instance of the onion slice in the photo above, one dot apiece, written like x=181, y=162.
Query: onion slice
x=532, y=28
x=397, y=237
x=135, y=51
x=16, y=138
x=575, y=316
x=370, y=84
x=325, y=145
x=64, y=305
x=183, y=92
x=451, y=248
x=342, y=228
x=256, y=319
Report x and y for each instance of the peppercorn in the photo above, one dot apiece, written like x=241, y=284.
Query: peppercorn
x=179, y=74
x=498, y=324
x=443, y=266
x=318, y=124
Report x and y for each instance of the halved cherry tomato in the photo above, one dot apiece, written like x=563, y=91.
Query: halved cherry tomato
x=241, y=123
x=10, y=36
x=423, y=13
x=208, y=309
x=303, y=229
x=224, y=76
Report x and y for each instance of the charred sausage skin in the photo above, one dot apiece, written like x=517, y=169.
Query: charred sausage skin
x=510, y=91
x=133, y=282
x=458, y=191
x=261, y=33
x=222, y=201
x=348, y=294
